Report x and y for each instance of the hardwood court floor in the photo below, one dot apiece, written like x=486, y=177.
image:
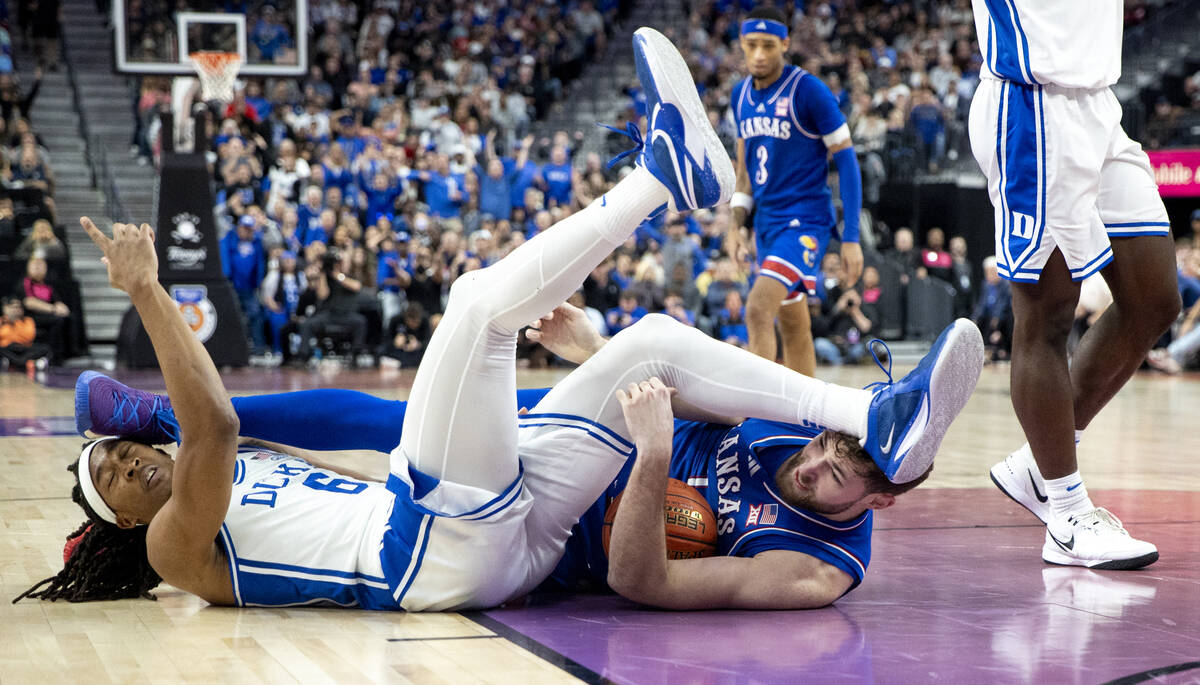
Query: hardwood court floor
x=958, y=570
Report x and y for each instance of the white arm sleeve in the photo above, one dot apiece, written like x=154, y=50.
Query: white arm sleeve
x=839, y=135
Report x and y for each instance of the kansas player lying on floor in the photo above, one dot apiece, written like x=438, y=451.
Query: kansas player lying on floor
x=775, y=487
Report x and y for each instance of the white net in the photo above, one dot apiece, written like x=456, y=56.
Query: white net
x=217, y=71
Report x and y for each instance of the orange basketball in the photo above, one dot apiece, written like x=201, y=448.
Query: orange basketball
x=691, y=526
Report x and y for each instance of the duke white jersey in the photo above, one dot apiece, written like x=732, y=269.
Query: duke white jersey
x=1066, y=43
x=297, y=534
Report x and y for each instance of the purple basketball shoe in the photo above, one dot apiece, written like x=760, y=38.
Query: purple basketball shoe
x=106, y=407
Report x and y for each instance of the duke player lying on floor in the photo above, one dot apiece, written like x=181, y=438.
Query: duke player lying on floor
x=478, y=506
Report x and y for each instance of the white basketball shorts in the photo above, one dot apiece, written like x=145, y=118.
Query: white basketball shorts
x=1061, y=173
x=454, y=547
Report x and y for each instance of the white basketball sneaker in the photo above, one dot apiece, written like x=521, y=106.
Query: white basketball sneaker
x=1018, y=477
x=1096, y=540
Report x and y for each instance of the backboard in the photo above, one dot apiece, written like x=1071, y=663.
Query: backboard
x=156, y=36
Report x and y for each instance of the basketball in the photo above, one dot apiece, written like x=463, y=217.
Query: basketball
x=691, y=526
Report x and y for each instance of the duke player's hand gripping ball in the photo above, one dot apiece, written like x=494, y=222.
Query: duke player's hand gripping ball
x=691, y=525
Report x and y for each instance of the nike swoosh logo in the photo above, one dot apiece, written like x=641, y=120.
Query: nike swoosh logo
x=1068, y=546
x=887, y=446
x=682, y=166
x=1074, y=486
x=1040, y=497
x=916, y=428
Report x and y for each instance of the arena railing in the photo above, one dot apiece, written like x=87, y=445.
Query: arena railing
x=102, y=177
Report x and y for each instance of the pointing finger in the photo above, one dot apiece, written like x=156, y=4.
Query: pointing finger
x=102, y=241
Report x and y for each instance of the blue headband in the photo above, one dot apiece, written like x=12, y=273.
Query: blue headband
x=775, y=28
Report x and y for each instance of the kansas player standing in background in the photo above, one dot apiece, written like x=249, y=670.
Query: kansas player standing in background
x=1073, y=195
x=788, y=126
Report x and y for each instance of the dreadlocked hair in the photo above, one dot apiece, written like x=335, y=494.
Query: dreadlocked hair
x=108, y=563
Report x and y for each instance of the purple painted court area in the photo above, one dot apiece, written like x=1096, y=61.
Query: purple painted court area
x=37, y=427
x=255, y=379
x=956, y=592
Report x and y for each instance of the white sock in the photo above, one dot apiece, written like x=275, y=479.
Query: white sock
x=844, y=409
x=1068, y=495
x=618, y=212
x=1026, y=452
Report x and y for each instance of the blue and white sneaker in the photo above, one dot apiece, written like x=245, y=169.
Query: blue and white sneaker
x=908, y=419
x=104, y=406
x=682, y=149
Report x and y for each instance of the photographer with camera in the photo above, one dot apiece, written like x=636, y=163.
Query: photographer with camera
x=336, y=303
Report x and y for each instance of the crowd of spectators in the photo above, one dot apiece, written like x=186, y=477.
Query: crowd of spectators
x=351, y=200
x=1171, y=103
x=38, y=325
x=903, y=72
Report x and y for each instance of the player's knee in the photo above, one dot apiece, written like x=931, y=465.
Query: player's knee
x=653, y=328
x=465, y=287
x=651, y=334
x=1052, y=330
x=472, y=292
x=761, y=312
x=794, y=319
x=1045, y=321
x=1164, y=308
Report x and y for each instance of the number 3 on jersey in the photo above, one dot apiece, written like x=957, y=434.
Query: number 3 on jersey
x=760, y=174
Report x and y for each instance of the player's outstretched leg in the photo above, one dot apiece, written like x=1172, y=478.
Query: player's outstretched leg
x=459, y=426
x=909, y=418
x=323, y=419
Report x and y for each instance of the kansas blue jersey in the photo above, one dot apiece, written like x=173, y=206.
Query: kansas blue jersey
x=734, y=468
x=782, y=126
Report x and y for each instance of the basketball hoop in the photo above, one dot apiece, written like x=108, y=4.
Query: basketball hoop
x=217, y=70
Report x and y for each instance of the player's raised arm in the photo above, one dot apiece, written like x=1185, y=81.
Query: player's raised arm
x=180, y=538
